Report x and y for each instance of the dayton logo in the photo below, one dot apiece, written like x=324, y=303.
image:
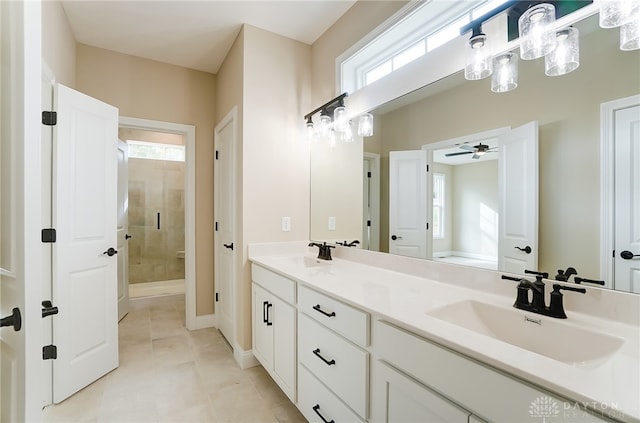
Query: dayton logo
x=544, y=407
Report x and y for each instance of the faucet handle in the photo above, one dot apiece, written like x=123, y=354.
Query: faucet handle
x=556, y=307
x=579, y=280
x=544, y=275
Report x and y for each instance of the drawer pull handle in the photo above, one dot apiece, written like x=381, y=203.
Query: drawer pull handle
x=268, y=322
x=316, y=408
x=264, y=311
x=318, y=309
x=329, y=362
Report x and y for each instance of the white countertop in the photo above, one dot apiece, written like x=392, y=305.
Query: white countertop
x=610, y=385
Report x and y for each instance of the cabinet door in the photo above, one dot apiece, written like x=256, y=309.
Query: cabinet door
x=262, y=331
x=283, y=317
x=397, y=399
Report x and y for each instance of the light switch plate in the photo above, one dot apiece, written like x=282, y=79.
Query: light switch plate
x=286, y=224
x=332, y=223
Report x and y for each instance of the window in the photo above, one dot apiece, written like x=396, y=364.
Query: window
x=154, y=151
x=424, y=27
x=438, y=205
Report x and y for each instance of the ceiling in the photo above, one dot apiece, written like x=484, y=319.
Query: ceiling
x=194, y=34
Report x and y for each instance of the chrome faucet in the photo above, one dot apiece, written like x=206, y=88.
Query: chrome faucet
x=324, y=250
x=537, y=304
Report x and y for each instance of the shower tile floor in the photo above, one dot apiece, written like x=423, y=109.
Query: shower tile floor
x=170, y=374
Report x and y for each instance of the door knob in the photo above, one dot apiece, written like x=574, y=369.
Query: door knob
x=127, y=236
x=628, y=255
x=526, y=249
x=110, y=252
x=14, y=319
x=229, y=246
x=394, y=237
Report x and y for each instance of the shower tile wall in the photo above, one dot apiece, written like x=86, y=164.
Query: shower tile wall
x=156, y=186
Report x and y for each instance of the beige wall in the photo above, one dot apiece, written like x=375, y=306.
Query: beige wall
x=363, y=17
x=275, y=154
x=568, y=111
x=58, y=43
x=148, y=89
x=474, y=223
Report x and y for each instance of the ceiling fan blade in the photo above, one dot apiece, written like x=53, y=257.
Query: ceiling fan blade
x=468, y=147
x=457, y=154
x=475, y=156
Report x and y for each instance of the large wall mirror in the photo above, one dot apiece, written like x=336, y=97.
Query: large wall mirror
x=567, y=110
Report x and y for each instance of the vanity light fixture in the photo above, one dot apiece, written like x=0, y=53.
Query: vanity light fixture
x=505, y=73
x=338, y=128
x=566, y=57
x=478, y=63
x=537, y=33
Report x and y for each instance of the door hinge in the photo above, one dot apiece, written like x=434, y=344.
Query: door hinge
x=49, y=118
x=368, y=174
x=427, y=225
x=49, y=352
x=427, y=168
x=48, y=235
x=217, y=155
x=217, y=297
x=216, y=227
x=368, y=223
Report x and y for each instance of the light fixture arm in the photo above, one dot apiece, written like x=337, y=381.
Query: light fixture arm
x=328, y=107
x=476, y=24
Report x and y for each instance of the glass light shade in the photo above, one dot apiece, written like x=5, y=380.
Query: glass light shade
x=566, y=57
x=537, y=35
x=630, y=35
x=365, y=125
x=478, y=64
x=347, y=134
x=309, y=131
x=614, y=13
x=325, y=125
x=340, y=119
x=505, y=73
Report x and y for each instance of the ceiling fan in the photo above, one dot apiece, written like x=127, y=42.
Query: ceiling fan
x=477, y=150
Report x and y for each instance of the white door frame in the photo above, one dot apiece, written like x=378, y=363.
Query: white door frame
x=607, y=197
x=374, y=199
x=189, y=132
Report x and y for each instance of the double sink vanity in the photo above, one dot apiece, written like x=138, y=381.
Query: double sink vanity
x=381, y=338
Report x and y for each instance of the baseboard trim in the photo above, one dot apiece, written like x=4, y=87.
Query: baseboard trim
x=203, y=322
x=245, y=359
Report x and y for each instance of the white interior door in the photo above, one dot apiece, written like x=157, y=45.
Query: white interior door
x=85, y=217
x=408, y=203
x=224, y=212
x=627, y=200
x=518, y=199
x=20, y=213
x=123, y=229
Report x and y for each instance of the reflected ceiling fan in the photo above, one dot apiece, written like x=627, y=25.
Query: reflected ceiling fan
x=477, y=150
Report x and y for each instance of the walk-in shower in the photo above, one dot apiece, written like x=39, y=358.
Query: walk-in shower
x=156, y=213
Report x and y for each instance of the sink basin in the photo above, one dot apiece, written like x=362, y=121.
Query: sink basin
x=305, y=261
x=545, y=336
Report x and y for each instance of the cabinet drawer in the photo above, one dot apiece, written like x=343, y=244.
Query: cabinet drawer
x=274, y=283
x=482, y=390
x=336, y=362
x=342, y=318
x=315, y=400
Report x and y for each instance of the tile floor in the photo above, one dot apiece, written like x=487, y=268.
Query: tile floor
x=170, y=374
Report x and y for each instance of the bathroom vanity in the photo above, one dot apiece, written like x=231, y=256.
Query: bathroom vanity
x=372, y=337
